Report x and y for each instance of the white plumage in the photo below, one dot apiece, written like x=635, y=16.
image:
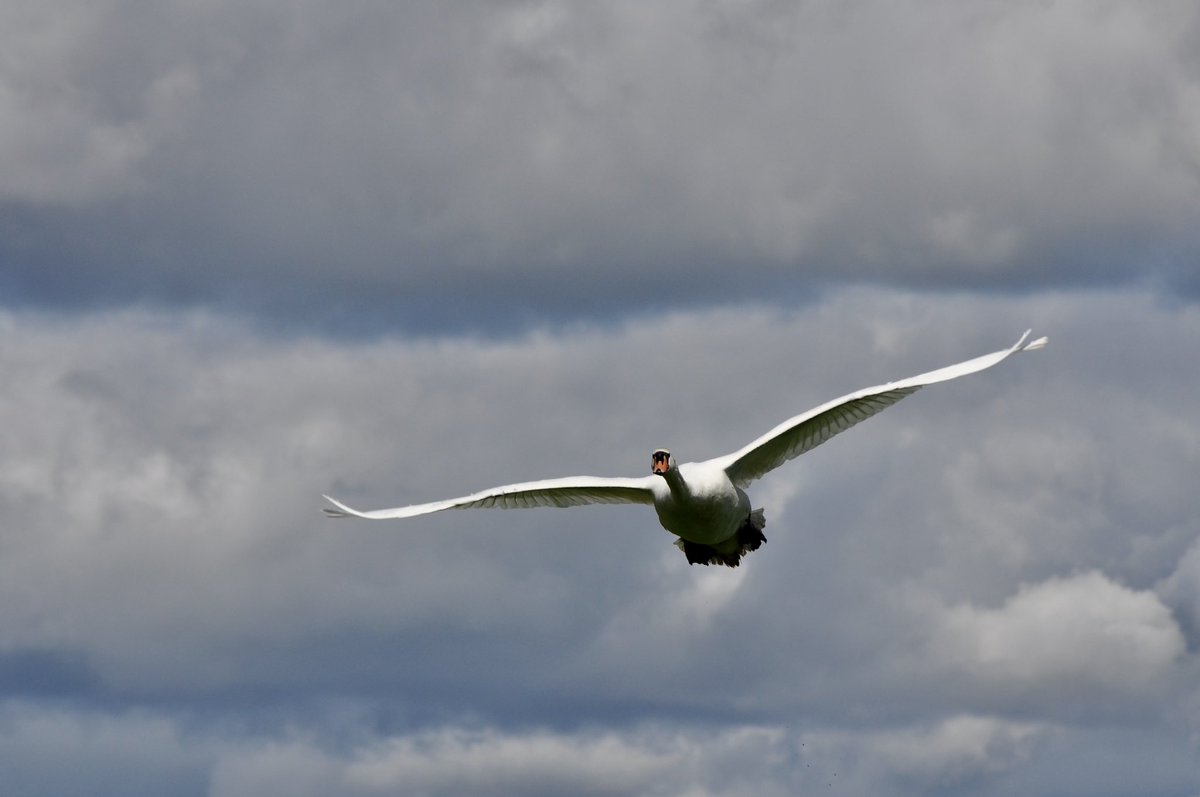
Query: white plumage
x=705, y=503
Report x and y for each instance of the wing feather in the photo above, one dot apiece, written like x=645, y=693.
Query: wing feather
x=571, y=491
x=805, y=432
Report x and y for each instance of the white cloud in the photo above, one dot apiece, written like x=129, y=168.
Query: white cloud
x=1181, y=589
x=458, y=762
x=959, y=752
x=962, y=752
x=1079, y=630
x=488, y=761
x=338, y=752
x=956, y=750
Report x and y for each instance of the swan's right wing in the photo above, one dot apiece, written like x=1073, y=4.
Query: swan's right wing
x=571, y=491
x=805, y=432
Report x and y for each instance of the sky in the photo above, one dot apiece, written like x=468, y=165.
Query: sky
x=253, y=252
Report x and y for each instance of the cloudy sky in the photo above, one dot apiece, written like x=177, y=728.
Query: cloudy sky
x=252, y=252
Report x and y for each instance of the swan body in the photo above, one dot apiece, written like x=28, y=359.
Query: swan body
x=705, y=504
x=701, y=503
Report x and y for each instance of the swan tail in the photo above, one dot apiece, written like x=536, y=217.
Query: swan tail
x=749, y=538
x=699, y=554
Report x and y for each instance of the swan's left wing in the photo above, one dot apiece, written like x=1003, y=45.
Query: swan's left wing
x=805, y=432
x=571, y=491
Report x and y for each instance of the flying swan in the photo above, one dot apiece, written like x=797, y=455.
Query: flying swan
x=705, y=504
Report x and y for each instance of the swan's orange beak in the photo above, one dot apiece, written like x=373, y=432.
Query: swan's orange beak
x=660, y=461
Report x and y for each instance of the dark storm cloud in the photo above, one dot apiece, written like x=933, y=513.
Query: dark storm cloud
x=545, y=160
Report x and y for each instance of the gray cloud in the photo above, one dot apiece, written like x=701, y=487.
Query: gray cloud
x=51, y=749
x=690, y=220
x=546, y=160
x=993, y=573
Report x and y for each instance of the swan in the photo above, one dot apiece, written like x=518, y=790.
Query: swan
x=705, y=504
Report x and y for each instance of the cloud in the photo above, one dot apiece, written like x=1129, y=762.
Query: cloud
x=56, y=750
x=999, y=548
x=93, y=95
x=457, y=762
x=956, y=753
x=547, y=238
x=1181, y=591
x=1082, y=630
x=145, y=752
x=549, y=160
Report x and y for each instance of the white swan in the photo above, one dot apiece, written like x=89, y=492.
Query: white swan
x=705, y=503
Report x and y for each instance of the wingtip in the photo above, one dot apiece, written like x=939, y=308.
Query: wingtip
x=342, y=511
x=1021, y=345
x=1040, y=343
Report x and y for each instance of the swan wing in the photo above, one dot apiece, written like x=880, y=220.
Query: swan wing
x=805, y=432
x=571, y=491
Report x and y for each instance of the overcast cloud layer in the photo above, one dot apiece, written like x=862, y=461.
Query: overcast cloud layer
x=522, y=160
x=254, y=252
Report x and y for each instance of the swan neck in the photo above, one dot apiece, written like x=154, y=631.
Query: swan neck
x=675, y=481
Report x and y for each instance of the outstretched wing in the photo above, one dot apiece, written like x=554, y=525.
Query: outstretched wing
x=805, y=432
x=571, y=491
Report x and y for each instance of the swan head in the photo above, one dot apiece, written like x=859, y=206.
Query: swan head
x=661, y=462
